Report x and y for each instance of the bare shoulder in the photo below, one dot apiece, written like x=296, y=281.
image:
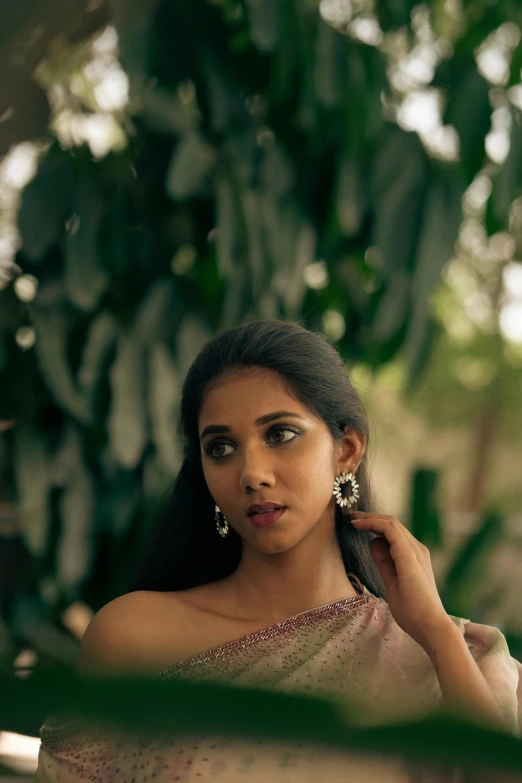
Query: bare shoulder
x=125, y=635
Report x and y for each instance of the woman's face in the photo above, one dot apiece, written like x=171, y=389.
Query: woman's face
x=290, y=460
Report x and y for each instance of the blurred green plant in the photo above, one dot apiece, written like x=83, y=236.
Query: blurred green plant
x=248, y=160
x=178, y=708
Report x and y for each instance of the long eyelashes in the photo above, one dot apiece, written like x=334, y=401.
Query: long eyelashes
x=279, y=428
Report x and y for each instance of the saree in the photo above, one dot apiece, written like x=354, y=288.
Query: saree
x=349, y=649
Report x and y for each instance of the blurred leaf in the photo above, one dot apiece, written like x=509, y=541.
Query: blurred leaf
x=85, y=278
x=133, y=21
x=422, y=347
x=436, y=245
x=191, y=337
x=76, y=503
x=425, y=522
x=99, y=344
x=127, y=422
x=393, y=308
x=250, y=203
x=515, y=70
x=265, y=23
x=229, y=240
x=398, y=184
x=164, y=112
x=31, y=623
x=33, y=483
x=395, y=14
x=469, y=563
x=178, y=708
x=276, y=175
x=507, y=184
x=51, y=349
x=118, y=504
x=163, y=402
x=468, y=109
x=350, y=196
x=191, y=163
x=226, y=106
x=282, y=223
x=159, y=313
x=46, y=202
x=331, y=66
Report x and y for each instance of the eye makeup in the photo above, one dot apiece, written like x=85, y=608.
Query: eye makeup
x=275, y=429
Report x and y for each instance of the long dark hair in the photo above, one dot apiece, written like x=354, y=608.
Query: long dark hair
x=186, y=549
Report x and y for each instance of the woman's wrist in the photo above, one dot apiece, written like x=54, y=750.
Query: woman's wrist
x=463, y=687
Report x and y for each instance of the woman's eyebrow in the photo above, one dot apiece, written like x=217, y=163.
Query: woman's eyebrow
x=215, y=428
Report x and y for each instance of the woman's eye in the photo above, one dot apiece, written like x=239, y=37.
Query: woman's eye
x=275, y=431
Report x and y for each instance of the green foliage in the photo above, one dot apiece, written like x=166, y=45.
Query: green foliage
x=177, y=708
x=259, y=143
x=468, y=565
x=425, y=522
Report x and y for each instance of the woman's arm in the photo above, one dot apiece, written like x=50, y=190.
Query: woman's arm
x=413, y=599
x=464, y=687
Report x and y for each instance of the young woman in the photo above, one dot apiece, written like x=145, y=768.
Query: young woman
x=272, y=568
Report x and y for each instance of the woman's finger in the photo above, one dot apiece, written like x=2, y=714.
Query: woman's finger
x=387, y=519
x=400, y=545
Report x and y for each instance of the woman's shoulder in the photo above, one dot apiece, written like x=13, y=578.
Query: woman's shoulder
x=126, y=634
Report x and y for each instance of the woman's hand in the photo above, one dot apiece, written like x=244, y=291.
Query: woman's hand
x=405, y=568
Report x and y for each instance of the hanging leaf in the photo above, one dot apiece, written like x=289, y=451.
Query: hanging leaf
x=250, y=203
x=85, y=277
x=276, y=173
x=226, y=106
x=159, y=313
x=350, y=197
x=33, y=484
x=30, y=622
x=468, y=565
x=119, y=503
x=331, y=66
x=127, y=423
x=192, y=335
x=291, y=282
x=163, y=405
x=51, y=329
x=393, y=308
x=191, y=164
x=163, y=111
x=265, y=23
x=99, y=344
x=76, y=503
x=425, y=521
x=507, y=184
x=229, y=227
x=282, y=224
x=45, y=204
x=468, y=108
x=436, y=246
x=398, y=183
x=133, y=20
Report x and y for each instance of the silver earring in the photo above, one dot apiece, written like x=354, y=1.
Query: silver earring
x=353, y=497
x=222, y=530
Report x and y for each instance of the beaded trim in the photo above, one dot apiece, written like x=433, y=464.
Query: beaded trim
x=298, y=620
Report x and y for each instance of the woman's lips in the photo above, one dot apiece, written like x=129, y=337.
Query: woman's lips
x=267, y=518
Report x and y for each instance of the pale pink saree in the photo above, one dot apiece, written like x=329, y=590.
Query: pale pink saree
x=351, y=648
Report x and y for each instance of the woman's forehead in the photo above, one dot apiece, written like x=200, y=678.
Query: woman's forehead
x=253, y=394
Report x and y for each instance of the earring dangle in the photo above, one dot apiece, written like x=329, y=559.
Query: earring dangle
x=222, y=529
x=353, y=497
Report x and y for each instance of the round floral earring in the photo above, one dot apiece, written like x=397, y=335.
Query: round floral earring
x=222, y=529
x=353, y=497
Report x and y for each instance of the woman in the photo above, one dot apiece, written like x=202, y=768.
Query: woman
x=322, y=595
